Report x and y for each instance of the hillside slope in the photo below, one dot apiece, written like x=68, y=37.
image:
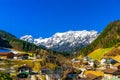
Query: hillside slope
x=113, y=52
x=4, y=43
x=8, y=40
x=107, y=39
x=99, y=53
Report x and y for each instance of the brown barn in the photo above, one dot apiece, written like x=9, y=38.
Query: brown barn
x=111, y=73
x=6, y=55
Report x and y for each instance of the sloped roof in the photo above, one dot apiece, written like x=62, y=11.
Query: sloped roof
x=110, y=71
x=6, y=53
x=92, y=76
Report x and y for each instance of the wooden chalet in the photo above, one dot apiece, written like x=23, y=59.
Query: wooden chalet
x=21, y=56
x=25, y=68
x=6, y=55
x=111, y=73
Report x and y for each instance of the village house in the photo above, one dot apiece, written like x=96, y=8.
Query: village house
x=108, y=63
x=47, y=72
x=57, y=73
x=71, y=75
x=111, y=73
x=23, y=76
x=108, y=60
x=103, y=61
x=25, y=68
x=24, y=72
x=87, y=58
x=11, y=55
x=77, y=62
x=6, y=55
x=44, y=71
x=21, y=56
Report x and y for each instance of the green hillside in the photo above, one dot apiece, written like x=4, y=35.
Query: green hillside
x=8, y=40
x=4, y=43
x=5, y=76
x=16, y=43
x=113, y=52
x=107, y=39
x=99, y=53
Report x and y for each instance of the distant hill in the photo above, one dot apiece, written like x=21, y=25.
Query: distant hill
x=107, y=39
x=8, y=40
x=4, y=43
x=4, y=37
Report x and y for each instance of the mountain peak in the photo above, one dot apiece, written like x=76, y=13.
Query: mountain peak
x=27, y=38
x=66, y=41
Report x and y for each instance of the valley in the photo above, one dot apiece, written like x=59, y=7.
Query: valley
x=97, y=58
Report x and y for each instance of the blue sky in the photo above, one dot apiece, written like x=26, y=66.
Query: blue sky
x=46, y=17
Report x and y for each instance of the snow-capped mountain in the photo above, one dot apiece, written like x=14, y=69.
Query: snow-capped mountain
x=27, y=38
x=67, y=41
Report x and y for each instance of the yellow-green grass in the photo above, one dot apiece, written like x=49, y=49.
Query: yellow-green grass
x=35, y=64
x=99, y=53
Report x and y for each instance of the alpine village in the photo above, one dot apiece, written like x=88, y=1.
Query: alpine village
x=99, y=60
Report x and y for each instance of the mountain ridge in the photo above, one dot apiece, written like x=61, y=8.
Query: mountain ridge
x=10, y=41
x=66, y=41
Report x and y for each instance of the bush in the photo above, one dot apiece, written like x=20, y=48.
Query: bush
x=5, y=76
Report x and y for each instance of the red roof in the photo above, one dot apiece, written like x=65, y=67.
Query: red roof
x=6, y=53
